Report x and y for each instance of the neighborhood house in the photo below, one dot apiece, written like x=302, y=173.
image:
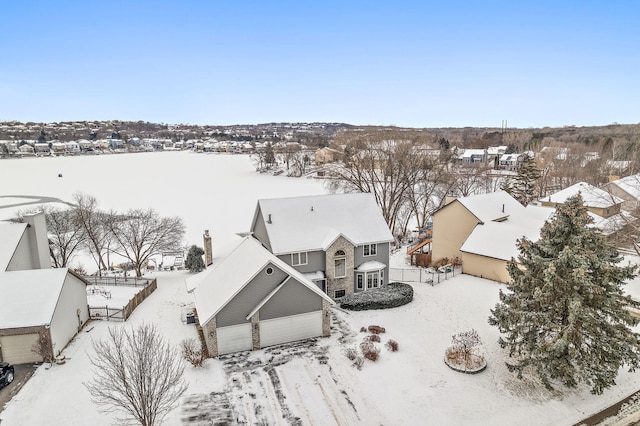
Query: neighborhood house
x=42, y=308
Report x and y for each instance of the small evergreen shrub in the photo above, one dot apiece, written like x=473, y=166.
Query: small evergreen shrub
x=390, y=296
x=363, y=329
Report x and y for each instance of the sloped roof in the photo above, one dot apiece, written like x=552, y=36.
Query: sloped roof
x=592, y=196
x=219, y=285
x=498, y=239
x=308, y=223
x=630, y=185
x=492, y=206
x=31, y=296
x=10, y=234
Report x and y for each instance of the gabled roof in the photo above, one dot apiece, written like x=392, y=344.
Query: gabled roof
x=492, y=206
x=31, y=296
x=309, y=223
x=630, y=185
x=219, y=285
x=592, y=196
x=498, y=239
x=10, y=235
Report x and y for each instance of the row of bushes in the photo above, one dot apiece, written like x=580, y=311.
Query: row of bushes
x=390, y=296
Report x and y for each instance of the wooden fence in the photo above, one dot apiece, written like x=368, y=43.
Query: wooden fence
x=122, y=314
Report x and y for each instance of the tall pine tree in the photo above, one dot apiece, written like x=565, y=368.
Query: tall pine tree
x=563, y=316
x=522, y=187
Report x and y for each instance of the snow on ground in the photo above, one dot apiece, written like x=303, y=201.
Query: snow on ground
x=111, y=295
x=309, y=382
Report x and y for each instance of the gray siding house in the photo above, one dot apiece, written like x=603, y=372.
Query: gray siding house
x=252, y=299
x=340, y=242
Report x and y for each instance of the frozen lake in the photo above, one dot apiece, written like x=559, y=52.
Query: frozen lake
x=217, y=192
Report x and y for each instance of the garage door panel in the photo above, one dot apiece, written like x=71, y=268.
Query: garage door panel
x=234, y=338
x=290, y=328
x=18, y=349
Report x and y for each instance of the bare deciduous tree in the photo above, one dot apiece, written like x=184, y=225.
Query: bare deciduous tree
x=140, y=234
x=95, y=224
x=66, y=235
x=136, y=373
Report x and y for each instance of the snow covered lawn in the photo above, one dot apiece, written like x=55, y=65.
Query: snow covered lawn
x=313, y=382
x=113, y=296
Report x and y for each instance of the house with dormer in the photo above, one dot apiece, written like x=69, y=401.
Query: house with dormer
x=340, y=242
x=481, y=231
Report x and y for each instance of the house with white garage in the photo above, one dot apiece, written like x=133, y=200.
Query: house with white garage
x=482, y=232
x=35, y=299
x=340, y=242
x=251, y=299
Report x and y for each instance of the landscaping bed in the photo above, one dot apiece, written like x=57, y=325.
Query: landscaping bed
x=390, y=296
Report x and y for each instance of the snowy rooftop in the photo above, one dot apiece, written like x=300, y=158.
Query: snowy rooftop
x=492, y=206
x=592, y=196
x=224, y=281
x=630, y=185
x=10, y=234
x=33, y=295
x=499, y=239
x=310, y=223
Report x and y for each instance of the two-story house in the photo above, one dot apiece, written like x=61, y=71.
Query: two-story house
x=340, y=241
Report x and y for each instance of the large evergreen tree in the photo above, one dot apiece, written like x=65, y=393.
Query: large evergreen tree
x=563, y=316
x=522, y=187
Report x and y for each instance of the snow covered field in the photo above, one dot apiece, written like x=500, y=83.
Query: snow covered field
x=310, y=382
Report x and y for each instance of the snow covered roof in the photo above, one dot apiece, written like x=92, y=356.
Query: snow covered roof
x=492, y=206
x=592, y=196
x=611, y=224
x=498, y=239
x=10, y=234
x=310, y=223
x=372, y=265
x=32, y=295
x=630, y=185
x=470, y=152
x=219, y=285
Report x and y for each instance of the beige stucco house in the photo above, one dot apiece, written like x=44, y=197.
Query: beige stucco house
x=482, y=232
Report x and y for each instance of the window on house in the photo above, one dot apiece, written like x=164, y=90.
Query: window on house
x=299, y=258
x=340, y=268
x=340, y=264
x=359, y=282
x=338, y=294
x=373, y=280
x=370, y=249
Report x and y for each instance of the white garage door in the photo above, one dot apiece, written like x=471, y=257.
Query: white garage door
x=234, y=338
x=291, y=328
x=17, y=349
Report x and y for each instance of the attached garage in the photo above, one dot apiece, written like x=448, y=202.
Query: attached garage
x=234, y=338
x=291, y=328
x=17, y=349
x=251, y=299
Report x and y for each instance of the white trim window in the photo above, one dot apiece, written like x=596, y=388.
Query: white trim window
x=373, y=279
x=370, y=250
x=298, y=259
x=359, y=282
x=340, y=264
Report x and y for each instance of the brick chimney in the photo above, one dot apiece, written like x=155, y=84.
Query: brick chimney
x=208, y=250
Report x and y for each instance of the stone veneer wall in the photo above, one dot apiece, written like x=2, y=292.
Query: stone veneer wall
x=326, y=318
x=334, y=283
x=255, y=331
x=211, y=337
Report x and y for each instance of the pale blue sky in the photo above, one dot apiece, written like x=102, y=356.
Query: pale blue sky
x=405, y=63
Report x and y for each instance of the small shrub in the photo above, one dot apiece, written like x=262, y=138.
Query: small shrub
x=392, y=345
x=369, y=351
x=193, y=352
x=358, y=362
x=363, y=329
x=391, y=295
x=376, y=329
x=350, y=353
x=374, y=338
